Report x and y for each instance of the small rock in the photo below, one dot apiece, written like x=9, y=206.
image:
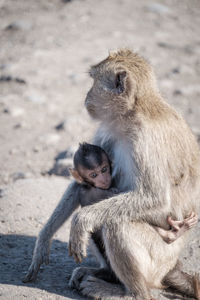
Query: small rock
x=17, y=126
x=66, y=1
x=19, y=25
x=177, y=92
x=61, y=167
x=63, y=155
x=3, y=66
x=176, y=70
x=60, y=126
x=20, y=175
x=10, y=78
x=50, y=139
x=35, y=97
x=16, y=111
x=165, y=45
x=5, y=78
x=13, y=151
x=2, y=193
x=6, y=110
x=36, y=149
x=158, y=8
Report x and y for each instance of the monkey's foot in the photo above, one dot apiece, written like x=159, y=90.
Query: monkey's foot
x=41, y=256
x=96, y=288
x=78, y=275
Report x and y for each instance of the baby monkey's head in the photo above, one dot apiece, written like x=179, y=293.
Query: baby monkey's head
x=92, y=165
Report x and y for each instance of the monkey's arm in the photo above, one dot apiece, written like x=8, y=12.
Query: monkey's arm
x=137, y=205
x=68, y=203
x=93, y=195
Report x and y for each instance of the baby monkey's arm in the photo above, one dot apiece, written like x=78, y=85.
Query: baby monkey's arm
x=178, y=228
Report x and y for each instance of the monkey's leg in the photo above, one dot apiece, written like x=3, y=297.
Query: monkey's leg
x=183, y=282
x=68, y=203
x=124, y=265
x=96, y=288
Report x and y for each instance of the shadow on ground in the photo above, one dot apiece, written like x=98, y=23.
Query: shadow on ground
x=15, y=258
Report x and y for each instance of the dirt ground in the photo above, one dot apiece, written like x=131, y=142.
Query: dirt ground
x=46, y=48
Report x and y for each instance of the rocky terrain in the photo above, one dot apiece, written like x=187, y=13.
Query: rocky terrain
x=46, y=48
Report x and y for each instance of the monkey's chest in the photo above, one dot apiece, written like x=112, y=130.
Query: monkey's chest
x=124, y=166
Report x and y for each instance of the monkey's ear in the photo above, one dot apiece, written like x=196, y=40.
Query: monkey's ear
x=76, y=175
x=120, y=79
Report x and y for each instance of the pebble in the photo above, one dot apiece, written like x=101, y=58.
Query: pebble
x=60, y=126
x=18, y=125
x=35, y=97
x=176, y=70
x=13, y=151
x=158, y=8
x=2, y=193
x=61, y=167
x=20, y=175
x=63, y=155
x=50, y=139
x=16, y=111
x=177, y=92
x=71, y=123
x=36, y=149
x=19, y=25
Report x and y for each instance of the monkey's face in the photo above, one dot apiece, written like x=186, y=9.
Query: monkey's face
x=119, y=81
x=108, y=98
x=99, y=176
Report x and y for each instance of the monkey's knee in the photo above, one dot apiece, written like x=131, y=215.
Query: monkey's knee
x=77, y=276
x=124, y=263
x=184, y=283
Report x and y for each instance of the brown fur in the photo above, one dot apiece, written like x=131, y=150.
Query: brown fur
x=156, y=165
x=163, y=164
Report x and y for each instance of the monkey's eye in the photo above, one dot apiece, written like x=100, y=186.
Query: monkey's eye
x=93, y=175
x=104, y=169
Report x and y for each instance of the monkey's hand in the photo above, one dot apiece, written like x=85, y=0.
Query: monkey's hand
x=40, y=255
x=78, y=239
x=184, y=225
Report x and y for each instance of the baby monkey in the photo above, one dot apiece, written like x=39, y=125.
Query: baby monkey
x=93, y=171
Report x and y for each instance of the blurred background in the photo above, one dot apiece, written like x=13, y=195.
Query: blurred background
x=46, y=49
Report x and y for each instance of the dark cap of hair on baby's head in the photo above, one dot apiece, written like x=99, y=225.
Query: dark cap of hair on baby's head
x=88, y=156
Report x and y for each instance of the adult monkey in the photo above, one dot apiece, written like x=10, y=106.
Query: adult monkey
x=156, y=164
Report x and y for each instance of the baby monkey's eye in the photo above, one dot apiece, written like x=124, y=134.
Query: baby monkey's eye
x=104, y=169
x=93, y=175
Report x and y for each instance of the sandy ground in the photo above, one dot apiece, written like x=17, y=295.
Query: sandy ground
x=46, y=48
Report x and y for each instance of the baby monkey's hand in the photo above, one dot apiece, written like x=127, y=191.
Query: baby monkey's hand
x=178, y=228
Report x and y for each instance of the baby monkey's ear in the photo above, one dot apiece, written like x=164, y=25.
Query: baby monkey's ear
x=76, y=175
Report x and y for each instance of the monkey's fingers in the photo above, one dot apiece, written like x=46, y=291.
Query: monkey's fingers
x=192, y=216
x=190, y=224
x=174, y=224
x=32, y=273
x=191, y=221
x=72, y=252
x=77, y=258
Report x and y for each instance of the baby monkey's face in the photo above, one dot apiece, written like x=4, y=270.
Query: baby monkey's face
x=99, y=176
